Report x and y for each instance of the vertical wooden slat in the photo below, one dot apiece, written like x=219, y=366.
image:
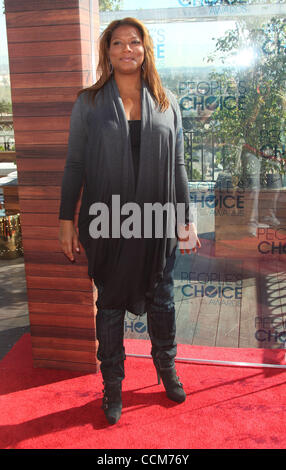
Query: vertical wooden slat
x=50, y=58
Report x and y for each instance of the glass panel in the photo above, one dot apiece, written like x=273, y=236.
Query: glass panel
x=225, y=62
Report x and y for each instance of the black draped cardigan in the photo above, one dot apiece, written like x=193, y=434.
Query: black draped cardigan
x=100, y=158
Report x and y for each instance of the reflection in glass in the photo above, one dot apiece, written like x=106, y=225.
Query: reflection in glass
x=225, y=63
x=242, y=106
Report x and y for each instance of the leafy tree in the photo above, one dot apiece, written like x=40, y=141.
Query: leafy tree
x=259, y=115
x=107, y=5
x=5, y=107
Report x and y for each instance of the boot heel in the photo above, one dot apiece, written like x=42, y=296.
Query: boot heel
x=157, y=370
x=173, y=386
x=158, y=377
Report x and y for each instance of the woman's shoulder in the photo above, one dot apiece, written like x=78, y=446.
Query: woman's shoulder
x=87, y=97
x=87, y=103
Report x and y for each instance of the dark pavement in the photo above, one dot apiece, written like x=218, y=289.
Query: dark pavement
x=14, y=315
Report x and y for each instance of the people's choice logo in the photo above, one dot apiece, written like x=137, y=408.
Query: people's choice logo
x=132, y=325
x=218, y=288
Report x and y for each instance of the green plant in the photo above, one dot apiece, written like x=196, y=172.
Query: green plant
x=106, y=5
x=259, y=116
x=197, y=176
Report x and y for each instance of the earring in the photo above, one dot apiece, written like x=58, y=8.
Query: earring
x=143, y=66
x=110, y=67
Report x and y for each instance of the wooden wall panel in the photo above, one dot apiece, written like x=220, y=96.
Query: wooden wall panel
x=11, y=199
x=50, y=56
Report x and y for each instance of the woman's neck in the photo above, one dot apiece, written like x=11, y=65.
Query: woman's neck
x=127, y=84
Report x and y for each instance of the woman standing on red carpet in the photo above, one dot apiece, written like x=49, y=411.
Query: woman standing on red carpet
x=126, y=142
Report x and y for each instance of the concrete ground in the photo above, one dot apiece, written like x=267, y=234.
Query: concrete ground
x=14, y=316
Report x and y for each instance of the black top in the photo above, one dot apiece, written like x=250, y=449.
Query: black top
x=182, y=189
x=135, y=137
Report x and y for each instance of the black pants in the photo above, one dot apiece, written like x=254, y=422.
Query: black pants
x=161, y=328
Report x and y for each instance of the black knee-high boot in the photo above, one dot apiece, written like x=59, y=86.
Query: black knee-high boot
x=162, y=332
x=111, y=353
x=112, y=374
x=112, y=401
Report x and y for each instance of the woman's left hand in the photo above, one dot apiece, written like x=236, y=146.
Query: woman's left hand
x=188, y=238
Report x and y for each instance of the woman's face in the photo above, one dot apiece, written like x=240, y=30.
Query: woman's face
x=126, y=51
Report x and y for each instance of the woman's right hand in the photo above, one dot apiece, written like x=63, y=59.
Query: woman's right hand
x=68, y=238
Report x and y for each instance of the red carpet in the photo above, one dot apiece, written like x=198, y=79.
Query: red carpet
x=226, y=408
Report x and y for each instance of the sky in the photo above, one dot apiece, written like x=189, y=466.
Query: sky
x=176, y=44
x=3, y=38
x=134, y=4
